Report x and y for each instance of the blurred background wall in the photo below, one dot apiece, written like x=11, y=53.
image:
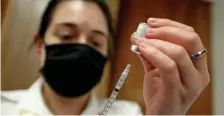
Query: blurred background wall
x=21, y=19
x=218, y=56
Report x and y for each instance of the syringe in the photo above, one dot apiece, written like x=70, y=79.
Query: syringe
x=116, y=90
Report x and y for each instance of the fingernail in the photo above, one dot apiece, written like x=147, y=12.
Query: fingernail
x=138, y=41
x=150, y=30
x=152, y=20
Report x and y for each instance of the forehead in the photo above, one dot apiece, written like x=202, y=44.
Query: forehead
x=86, y=15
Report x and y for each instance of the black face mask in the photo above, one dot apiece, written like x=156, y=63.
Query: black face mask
x=72, y=70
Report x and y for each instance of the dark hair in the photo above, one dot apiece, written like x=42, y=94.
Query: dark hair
x=48, y=14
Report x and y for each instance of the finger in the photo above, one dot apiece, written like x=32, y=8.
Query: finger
x=152, y=83
x=133, y=39
x=180, y=56
x=166, y=66
x=159, y=22
x=189, y=40
x=147, y=65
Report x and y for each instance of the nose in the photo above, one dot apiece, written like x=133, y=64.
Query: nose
x=82, y=39
x=83, y=35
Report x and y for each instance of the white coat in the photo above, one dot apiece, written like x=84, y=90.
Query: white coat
x=30, y=102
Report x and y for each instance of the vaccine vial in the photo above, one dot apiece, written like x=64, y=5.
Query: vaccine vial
x=139, y=34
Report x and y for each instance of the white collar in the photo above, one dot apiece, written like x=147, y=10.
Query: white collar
x=33, y=103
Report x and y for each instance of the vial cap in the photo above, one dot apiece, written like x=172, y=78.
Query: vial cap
x=134, y=49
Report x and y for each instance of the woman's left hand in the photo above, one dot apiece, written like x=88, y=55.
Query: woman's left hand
x=172, y=80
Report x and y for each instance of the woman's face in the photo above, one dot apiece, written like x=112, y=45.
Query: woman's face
x=77, y=22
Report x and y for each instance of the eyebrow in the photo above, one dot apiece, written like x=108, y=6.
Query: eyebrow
x=73, y=26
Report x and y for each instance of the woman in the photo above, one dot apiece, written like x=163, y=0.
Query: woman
x=72, y=48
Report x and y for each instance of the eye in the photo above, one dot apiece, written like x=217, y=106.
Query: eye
x=95, y=41
x=96, y=44
x=66, y=37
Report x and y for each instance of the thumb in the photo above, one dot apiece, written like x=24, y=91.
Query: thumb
x=146, y=64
